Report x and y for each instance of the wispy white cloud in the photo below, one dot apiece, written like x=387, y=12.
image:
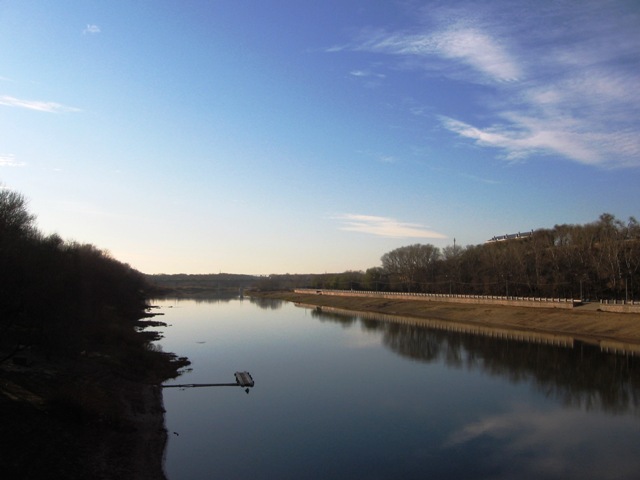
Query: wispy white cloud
x=530, y=137
x=468, y=47
x=488, y=181
x=41, y=106
x=370, y=78
x=90, y=28
x=379, y=157
x=366, y=73
x=481, y=51
x=9, y=160
x=387, y=159
x=561, y=80
x=385, y=227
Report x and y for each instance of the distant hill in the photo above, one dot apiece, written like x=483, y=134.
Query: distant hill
x=183, y=283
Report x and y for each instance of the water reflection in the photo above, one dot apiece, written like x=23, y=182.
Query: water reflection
x=267, y=303
x=346, y=397
x=575, y=374
x=213, y=297
x=556, y=444
x=204, y=297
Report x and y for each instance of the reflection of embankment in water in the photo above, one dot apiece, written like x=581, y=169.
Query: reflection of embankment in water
x=576, y=373
x=558, y=340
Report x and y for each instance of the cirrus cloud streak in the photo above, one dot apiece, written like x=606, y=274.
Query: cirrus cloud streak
x=545, y=87
x=38, y=105
x=10, y=161
x=385, y=227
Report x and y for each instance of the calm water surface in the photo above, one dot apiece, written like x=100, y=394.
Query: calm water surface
x=341, y=396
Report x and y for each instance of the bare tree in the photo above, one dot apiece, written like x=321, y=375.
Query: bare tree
x=412, y=264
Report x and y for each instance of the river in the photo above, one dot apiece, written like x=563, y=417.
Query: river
x=347, y=397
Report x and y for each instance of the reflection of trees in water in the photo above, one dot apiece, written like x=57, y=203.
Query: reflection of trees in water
x=582, y=376
x=344, y=320
x=209, y=297
x=266, y=303
x=222, y=297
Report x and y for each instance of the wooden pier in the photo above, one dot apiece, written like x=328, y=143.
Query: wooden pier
x=243, y=379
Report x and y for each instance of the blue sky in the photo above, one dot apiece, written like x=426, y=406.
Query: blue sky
x=306, y=137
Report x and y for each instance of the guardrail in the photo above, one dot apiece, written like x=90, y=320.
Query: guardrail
x=620, y=306
x=619, y=302
x=537, y=302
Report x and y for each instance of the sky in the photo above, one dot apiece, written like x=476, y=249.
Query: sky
x=287, y=136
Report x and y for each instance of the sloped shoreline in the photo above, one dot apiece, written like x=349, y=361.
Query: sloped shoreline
x=79, y=421
x=587, y=324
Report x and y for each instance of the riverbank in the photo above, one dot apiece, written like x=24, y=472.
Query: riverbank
x=585, y=323
x=98, y=416
x=90, y=424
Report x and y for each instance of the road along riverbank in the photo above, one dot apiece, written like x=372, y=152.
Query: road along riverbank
x=585, y=323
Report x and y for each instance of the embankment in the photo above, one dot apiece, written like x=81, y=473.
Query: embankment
x=586, y=322
x=529, y=302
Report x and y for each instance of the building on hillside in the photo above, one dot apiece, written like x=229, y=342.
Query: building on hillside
x=510, y=236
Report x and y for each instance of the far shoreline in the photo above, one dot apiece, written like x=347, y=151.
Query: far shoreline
x=586, y=323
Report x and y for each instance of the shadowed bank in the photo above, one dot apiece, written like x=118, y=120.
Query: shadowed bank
x=79, y=372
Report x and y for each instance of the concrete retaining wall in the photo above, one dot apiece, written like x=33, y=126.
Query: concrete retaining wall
x=618, y=306
x=535, y=302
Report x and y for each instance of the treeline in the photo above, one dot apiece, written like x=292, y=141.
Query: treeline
x=64, y=298
x=223, y=284
x=598, y=260
x=190, y=285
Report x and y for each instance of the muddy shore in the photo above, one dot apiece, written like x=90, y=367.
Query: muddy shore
x=79, y=420
x=585, y=323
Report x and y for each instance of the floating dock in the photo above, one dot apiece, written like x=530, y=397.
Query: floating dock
x=243, y=379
